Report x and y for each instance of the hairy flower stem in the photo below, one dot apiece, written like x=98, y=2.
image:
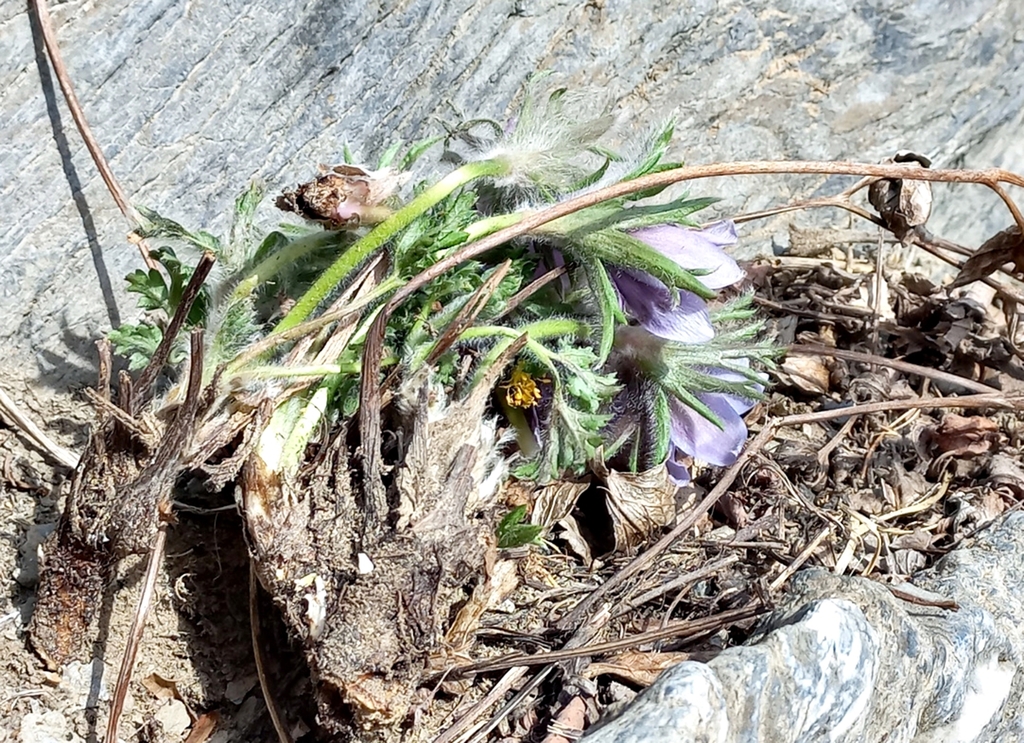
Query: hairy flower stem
x=484, y=227
x=379, y=235
x=272, y=265
x=541, y=329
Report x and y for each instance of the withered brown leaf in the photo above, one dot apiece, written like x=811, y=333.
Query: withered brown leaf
x=1003, y=247
x=638, y=503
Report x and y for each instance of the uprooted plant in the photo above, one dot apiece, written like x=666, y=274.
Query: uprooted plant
x=538, y=314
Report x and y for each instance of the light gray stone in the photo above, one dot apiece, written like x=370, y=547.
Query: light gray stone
x=191, y=100
x=46, y=727
x=847, y=661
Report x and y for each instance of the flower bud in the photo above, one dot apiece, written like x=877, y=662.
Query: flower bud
x=346, y=196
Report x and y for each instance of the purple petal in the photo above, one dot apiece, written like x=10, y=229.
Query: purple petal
x=680, y=475
x=652, y=304
x=699, y=250
x=740, y=404
x=700, y=438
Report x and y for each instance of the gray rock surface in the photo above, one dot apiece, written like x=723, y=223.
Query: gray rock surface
x=191, y=100
x=847, y=661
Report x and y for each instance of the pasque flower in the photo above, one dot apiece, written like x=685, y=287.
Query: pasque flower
x=693, y=434
x=709, y=387
x=674, y=314
x=681, y=317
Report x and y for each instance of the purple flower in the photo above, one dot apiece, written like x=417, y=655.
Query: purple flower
x=669, y=313
x=694, y=435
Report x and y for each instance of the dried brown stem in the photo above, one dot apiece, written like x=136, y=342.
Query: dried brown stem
x=124, y=674
x=804, y=556
x=902, y=366
x=497, y=692
x=468, y=314
x=995, y=400
x=646, y=558
x=283, y=736
x=529, y=290
x=831, y=201
x=144, y=384
x=684, y=629
x=481, y=733
x=34, y=433
x=64, y=80
x=678, y=582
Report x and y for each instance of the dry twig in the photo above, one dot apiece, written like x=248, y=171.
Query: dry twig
x=124, y=674
x=61, y=71
x=11, y=410
x=283, y=736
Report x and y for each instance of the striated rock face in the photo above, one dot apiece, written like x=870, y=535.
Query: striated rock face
x=848, y=661
x=190, y=101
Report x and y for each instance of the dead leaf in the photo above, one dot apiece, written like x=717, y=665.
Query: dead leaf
x=160, y=687
x=203, y=727
x=958, y=435
x=638, y=503
x=635, y=667
x=991, y=505
x=555, y=501
x=866, y=501
x=574, y=538
x=1003, y=247
x=499, y=584
x=919, y=539
x=807, y=373
x=908, y=562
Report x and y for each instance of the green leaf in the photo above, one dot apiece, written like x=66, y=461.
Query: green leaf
x=654, y=190
x=607, y=303
x=388, y=155
x=241, y=238
x=273, y=242
x=246, y=205
x=613, y=246
x=655, y=150
x=512, y=532
x=662, y=428
x=151, y=288
x=137, y=343
x=416, y=150
x=677, y=212
x=155, y=226
x=592, y=178
x=179, y=275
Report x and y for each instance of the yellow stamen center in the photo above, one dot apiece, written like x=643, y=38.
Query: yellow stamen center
x=522, y=390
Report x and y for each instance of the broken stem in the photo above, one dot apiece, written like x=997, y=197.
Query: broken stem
x=146, y=380
x=10, y=409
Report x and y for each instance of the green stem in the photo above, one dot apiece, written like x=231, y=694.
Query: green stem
x=484, y=227
x=306, y=426
x=383, y=232
x=541, y=329
x=272, y=264
x=551, y=327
